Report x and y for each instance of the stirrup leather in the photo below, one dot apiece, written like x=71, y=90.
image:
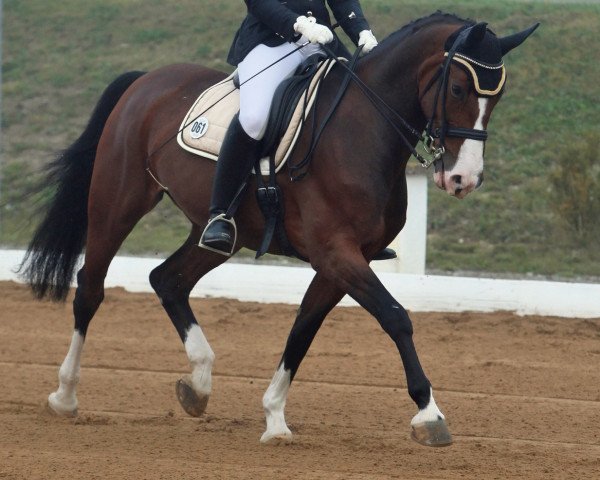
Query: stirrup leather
x=220, y=218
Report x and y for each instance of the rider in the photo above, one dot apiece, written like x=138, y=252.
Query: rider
x=271, y=30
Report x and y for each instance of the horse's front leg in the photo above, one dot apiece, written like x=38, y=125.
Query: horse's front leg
x=351, y=273
x=318, y=301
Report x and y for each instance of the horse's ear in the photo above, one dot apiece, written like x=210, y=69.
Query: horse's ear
x=476, y=34
x=516, y=39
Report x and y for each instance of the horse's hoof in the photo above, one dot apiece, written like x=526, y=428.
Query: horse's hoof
x=193, y=403
x=432, y=434
x=60, y=408
x=281, y=438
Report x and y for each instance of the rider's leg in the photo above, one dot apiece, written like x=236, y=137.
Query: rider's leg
x=241, y=146
x=238, y=154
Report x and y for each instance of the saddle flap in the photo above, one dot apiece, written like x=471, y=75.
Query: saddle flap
x=204, y=126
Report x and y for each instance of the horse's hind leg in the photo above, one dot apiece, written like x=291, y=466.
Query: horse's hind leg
x=318, y=301
x=112, y=217
x=173, y=281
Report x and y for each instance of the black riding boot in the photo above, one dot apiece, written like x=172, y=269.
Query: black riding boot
x=238, y=155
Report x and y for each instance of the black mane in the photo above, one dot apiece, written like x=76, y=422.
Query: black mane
x=415, y=25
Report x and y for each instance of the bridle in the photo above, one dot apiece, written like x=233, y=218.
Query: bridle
x=444, y=131
x=435, y=152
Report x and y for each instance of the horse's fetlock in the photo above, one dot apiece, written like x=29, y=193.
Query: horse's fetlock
x=271, y=402
x=269, y=405
x=203, y=359
x=68, y=377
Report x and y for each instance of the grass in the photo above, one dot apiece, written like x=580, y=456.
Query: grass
x=58, y=60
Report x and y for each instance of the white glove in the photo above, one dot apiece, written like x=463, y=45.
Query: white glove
x=367, y=39
x=314, y=32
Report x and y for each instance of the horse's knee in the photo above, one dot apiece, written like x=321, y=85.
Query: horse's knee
x=396, y=322
x=169, y=291
x=155, y=278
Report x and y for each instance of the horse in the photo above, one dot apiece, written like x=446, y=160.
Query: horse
x=349, y=206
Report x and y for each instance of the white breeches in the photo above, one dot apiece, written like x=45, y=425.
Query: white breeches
x=256, y=95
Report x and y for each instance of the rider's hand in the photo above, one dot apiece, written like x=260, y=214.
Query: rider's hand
x=368, y=40
x=314, y=32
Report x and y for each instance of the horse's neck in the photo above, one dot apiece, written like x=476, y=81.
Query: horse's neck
x=392, y=73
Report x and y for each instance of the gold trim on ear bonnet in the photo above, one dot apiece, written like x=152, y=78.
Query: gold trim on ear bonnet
x=478, y=51
x=493, y=77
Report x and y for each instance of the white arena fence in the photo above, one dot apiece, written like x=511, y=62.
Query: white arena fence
x=418, y=293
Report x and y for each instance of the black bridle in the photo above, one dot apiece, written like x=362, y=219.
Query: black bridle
x=431, y=134
x=444, y=131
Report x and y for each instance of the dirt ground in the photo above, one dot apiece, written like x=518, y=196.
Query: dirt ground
x=521, y=394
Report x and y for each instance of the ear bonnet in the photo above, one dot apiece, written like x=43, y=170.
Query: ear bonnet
x=479, y=52
x=480, y=55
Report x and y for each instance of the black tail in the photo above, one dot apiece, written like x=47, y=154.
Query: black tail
x=52, y=255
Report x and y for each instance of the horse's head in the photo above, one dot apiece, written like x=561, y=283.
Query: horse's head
x=458, y=98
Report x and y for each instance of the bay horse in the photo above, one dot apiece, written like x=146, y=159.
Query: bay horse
x=351, y=204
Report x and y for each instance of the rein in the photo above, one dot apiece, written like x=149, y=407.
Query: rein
x=385, y=110
x=430, y=134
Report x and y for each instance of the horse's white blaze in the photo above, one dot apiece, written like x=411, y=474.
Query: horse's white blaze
x=201, y=358
x=274, y=404
x=469, y=162
x=430, y=413
x=64, y=400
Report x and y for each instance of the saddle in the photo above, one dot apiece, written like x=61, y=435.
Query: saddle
x=205, y=125
x=203, y=128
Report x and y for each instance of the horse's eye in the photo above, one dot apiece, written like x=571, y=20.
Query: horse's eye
x=457, y=90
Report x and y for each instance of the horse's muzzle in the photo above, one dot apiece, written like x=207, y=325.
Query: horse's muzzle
x=457, y=185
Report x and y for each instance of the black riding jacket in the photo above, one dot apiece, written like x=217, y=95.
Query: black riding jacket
x=271, y=22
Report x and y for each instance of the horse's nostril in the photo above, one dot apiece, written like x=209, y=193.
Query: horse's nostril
x=457, y=191
x=456, y=179
x=479, y=181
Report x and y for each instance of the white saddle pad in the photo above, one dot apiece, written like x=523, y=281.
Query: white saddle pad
x=203, y=128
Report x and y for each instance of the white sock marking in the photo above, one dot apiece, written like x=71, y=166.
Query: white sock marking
x=430, y=413
x=201, y=358
x=274, y=404
x=64, y=400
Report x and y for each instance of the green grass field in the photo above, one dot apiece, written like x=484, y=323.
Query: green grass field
x=59, y=56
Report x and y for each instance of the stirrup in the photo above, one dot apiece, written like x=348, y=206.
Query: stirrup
x=220, y=218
